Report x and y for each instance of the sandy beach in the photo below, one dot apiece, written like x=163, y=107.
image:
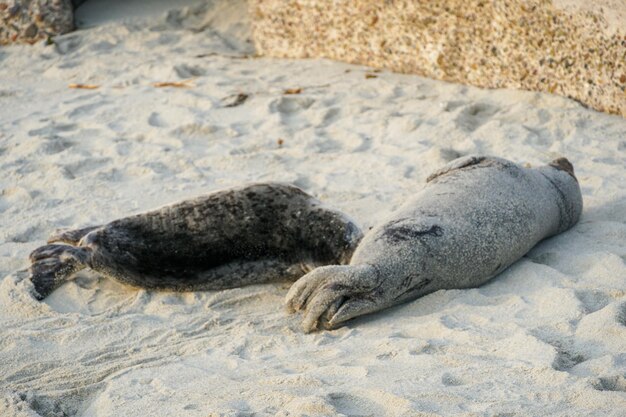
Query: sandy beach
x=179, y=105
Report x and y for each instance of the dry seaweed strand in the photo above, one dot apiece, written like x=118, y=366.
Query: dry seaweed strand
x=83, y=86
x=175, y=84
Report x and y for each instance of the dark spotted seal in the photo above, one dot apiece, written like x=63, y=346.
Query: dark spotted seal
x=247, y=235
x=474, y=218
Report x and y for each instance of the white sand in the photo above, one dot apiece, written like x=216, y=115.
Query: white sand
x=546, y=337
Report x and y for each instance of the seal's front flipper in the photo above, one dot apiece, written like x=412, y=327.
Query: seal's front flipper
x=331, y=295
x=52, y=265
x=70, y=236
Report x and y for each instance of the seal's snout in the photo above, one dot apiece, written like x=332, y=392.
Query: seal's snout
x=564, y=165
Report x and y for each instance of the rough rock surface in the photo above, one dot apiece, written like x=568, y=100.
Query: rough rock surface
x=566, y=47
x=32, y=20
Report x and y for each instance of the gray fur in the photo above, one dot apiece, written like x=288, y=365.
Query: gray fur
x=240, y=236
x=474, y=218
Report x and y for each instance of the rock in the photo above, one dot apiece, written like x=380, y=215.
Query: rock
x=573, y=48
x=32, y=20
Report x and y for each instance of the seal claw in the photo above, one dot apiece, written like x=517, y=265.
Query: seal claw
x=351, y=309
x=317, y=307
x=325, y=321
x=300, y=292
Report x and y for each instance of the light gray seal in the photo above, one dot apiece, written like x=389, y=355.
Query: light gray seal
x=247, y=235
x=475, y=217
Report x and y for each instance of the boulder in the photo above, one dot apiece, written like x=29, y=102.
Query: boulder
x=33, y=20
x=573, y=48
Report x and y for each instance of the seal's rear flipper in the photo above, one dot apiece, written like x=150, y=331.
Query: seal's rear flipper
x=52, y=265
x=564, y=165
x=70, y=236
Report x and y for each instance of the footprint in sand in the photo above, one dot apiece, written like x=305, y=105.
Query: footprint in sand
x=77, y=169
x=52, y=129
x=30, y=234
x=452, y=105
x=86, y=109
x=55, y=144
x=292, y=111
x=67, y=44
x=474, y=116
x=103, y=46
x=352, y=405
x=156, y=120
x=189, y=71
x=159, y=168
x=369, y=403
x=195, y=131
x=537, y=136
x=566, y=356
x=290, y=105
x=450, y=380
x=330, y=116
x=592, y=300
x=15, y=197
x=621, y=314
x=616, y=383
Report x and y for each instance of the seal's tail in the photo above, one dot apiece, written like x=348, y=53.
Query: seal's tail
x=70, y=236
x=564, y=165
x=51, y=265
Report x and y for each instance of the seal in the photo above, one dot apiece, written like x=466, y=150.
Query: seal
x=248, y=235
x=473, y=218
